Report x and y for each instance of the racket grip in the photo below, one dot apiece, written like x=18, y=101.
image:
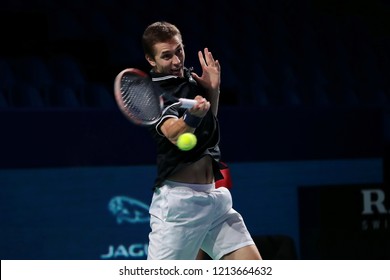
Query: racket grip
x=187, y=103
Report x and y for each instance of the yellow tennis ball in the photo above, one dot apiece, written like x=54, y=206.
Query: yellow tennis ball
x=186, y=141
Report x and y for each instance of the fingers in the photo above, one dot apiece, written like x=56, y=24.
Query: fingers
x=201, y=59
x=201, y=108
x=194, y=75
x=207, y=58
x=202, y=103
x=218, y=65
x=211, y=69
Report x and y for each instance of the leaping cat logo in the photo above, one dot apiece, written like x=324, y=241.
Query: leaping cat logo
x=129, y=210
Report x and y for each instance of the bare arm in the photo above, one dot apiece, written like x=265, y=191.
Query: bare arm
x=172, y=128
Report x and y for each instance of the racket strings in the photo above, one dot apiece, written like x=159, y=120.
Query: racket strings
x=139, y=99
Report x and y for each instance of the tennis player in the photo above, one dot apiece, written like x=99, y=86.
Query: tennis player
x=188, y=212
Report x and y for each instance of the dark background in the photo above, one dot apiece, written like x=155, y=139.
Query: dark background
x=304, y=79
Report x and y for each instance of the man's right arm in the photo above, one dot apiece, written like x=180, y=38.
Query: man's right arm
x=172, y=128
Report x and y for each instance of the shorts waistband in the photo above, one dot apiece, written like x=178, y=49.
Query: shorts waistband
x=195, y=187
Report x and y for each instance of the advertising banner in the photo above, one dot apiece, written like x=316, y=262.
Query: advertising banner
x=345, y=222
x=75, y=213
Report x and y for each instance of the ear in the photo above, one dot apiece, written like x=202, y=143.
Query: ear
x=150, y=60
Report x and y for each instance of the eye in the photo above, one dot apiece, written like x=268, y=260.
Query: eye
x=179, y=51
x=166, y=56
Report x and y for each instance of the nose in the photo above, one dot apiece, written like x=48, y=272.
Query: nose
x=176, y=59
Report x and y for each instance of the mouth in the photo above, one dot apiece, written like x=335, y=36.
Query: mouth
x=176, y=72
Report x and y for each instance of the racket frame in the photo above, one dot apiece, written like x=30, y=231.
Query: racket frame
x=121, y=104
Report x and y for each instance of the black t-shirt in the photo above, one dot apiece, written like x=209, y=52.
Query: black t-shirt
x=170, y=159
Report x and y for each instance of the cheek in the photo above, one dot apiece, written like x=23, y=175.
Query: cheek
x=164, y=66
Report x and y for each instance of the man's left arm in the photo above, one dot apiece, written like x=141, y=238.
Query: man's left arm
x=210, y=78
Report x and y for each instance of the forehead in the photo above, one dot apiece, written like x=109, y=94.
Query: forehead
x=168, y=46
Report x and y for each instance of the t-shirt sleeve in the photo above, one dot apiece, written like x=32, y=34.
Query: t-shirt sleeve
x=169, y=111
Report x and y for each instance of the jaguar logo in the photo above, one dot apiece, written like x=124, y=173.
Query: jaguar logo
x=129, y=210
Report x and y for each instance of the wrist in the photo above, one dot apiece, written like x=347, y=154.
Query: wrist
x=214, y=90
x=191, y=120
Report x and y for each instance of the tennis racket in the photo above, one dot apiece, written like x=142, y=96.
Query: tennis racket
x=139, y=99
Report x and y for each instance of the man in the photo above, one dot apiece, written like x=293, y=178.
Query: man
x=187, y=212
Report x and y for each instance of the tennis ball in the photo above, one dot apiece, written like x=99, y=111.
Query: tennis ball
x=186, y=141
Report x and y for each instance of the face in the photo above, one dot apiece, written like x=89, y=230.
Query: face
x=169, y=57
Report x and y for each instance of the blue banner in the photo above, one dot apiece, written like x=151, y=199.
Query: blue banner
x=75, y=213
x=102, y=212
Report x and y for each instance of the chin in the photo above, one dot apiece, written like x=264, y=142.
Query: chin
x=178, y=74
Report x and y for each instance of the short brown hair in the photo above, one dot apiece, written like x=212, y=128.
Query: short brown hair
x=160, y=31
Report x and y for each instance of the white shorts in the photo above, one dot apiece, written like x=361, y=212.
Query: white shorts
x=186, y=217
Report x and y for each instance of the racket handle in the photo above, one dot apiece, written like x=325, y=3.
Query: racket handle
x=187, y=103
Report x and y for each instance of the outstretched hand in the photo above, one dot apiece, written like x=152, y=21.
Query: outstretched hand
x=211, y=71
